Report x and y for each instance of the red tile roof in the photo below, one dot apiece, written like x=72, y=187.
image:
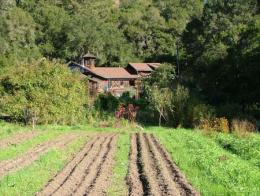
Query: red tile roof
x=141, y=67
x=154, y=65
x=112, y=72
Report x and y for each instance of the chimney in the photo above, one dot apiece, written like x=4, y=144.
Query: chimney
x=89, y=60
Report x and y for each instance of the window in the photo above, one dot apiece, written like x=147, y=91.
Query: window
x=132, y=82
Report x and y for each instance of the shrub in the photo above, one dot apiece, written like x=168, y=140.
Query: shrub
x=107, y=103
x=220, y=125
x=242, y=126
x=202, y=115
x=230, y=110
x=48, y=91
x=214, y=124
x=179, y=102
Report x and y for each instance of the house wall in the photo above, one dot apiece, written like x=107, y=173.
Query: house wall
x=115, y=86
x=119, y=83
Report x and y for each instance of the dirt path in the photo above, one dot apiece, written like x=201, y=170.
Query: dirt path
x=151, y=171
x=33, y=154
x=89, y=171
x=17, y=138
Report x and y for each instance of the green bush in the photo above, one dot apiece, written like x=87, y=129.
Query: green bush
x=198, y=113
x=48, y=91
x=106, y=103
x=180, y=99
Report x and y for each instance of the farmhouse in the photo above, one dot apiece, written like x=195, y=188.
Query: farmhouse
x=113, y=79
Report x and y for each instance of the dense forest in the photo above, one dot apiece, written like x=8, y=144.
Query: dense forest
x=211, y=52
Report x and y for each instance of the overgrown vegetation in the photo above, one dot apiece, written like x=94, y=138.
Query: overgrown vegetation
x=213, y=170
x=211, y=45
x=46, y=91
x=248, y=148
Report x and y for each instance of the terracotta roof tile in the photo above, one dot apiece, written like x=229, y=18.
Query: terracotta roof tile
x=112, y=72
x=154, y=65
x=141, y=66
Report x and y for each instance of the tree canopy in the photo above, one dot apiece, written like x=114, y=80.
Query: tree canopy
x=214, y=43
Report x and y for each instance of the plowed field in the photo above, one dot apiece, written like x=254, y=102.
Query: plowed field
x=151, y=171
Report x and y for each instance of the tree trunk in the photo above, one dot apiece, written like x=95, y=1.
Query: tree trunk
x=160, y=119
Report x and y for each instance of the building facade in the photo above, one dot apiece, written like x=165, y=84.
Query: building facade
x=115, y=80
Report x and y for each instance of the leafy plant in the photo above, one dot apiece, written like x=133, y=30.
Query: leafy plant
x=46, y=90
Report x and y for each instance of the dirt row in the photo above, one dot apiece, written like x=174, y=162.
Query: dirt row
x=151, y=170
x=33, y=154
x=17, y=138
x=89, y=172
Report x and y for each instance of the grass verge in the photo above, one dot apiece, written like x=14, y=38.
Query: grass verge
x=118, y=186
x=7, y=129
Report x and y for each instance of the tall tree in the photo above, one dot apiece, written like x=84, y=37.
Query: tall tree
x=209, y=42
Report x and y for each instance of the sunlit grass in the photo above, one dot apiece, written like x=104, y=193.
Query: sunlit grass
x=210, y=168
x=247, y=147
x=15, y=150
x=120, y=168
x=31, y=179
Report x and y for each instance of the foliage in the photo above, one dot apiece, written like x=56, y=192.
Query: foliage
x=214, y=125
x=248, y=148
x=242, y=126
x=180, y=101
x=200, y=113
x=160, y=98
x=162, y=77
x=48, y=91
x=106, y=102
x=157, y=89
x=215, y=44
x=222, y=50
x=202, y=160
x=128, y=112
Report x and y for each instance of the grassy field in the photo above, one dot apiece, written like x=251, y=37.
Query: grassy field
x=31, y=179
x=247, y=147
x=221, y=164
x=212, y=169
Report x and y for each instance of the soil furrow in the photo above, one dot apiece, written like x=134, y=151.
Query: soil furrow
x=152, y=172
x=88, y=173
x=17, y=139
x=169, y=185
x=134, y=183
x=57, y=181
x=182, y=184
x=101, y=182
x=90, y=179
x=32, y=155
x=77, y=176
x=140, y=165
x=154, y=177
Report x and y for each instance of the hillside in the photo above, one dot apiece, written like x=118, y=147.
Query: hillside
x=214, y=48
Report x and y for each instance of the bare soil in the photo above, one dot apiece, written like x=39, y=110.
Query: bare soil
x=151, y=170
x=89, y=172
x=17, y=138
x=33, y=154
